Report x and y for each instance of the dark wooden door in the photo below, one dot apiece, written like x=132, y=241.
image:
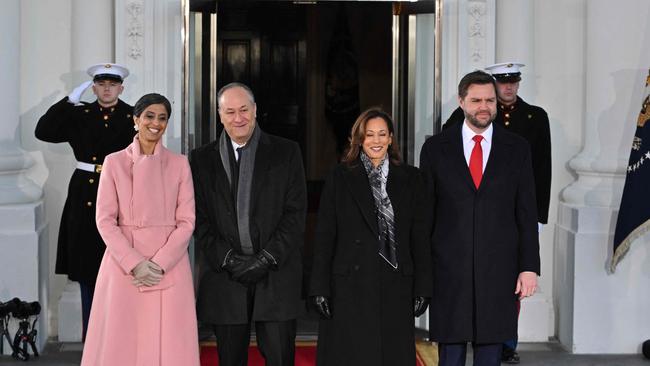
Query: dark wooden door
x=263, y=45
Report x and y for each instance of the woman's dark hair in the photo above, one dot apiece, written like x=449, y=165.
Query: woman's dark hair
x=149, y=99
x=358, y=134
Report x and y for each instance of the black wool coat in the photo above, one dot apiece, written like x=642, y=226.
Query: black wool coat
x=372, y=305
x=530, y=122
x=481, y=238
x=277, y=222
x=93, y=132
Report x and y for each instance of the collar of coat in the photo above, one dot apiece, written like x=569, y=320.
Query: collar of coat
x=451, y=141
x=357, y=182
x=263, y=162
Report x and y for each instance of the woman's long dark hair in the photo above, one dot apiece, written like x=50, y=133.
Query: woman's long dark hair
x=358, y=134
x=149, y=99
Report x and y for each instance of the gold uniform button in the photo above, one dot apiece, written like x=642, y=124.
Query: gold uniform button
x=94, y=158
x=507, y=115
x=89, y=204
x=507, y=123
x=530, y=116
x=86, y=110
x=91, y=181
x=106, y=125
x=128, y=116
x=106, y=117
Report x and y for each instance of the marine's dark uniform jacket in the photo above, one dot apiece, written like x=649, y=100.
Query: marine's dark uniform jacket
x=93, y=132
x=530, y=122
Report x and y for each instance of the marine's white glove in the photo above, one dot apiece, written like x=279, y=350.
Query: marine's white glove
x=75, y=96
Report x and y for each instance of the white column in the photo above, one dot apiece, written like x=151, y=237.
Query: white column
x=600, y=312
x=92, y=42
x=515, y=23
x=24, y=253
x=14, y=186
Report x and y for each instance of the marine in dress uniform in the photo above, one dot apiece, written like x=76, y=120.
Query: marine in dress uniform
x=530, y=122
x=93, y=130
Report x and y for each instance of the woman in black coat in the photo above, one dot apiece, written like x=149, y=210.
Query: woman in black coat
x=372, y=261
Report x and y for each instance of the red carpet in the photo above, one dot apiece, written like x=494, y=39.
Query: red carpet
x=306, y=355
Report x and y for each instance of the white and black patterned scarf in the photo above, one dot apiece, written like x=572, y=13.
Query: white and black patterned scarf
x=384, y=209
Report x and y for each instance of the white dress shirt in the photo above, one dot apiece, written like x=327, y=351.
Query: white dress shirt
x=235, y=146
x=468, y=143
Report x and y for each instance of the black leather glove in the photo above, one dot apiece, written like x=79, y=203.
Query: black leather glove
x=322, y=304
x=254, y=269
x=235, y=263
x=420, y=304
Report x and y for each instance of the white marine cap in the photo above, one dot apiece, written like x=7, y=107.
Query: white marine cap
x=108, y=71
x=506, y=71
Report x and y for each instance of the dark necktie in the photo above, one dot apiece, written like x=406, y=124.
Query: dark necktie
x=240, y=150
x=476, y=161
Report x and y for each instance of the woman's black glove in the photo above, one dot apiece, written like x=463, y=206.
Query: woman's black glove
x=420, y=304
x=322, y=304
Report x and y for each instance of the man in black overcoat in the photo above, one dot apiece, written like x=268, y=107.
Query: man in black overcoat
x=530, y=122
x=250, y=218
x=484, y=238
x=526, y=120
x=93, y=130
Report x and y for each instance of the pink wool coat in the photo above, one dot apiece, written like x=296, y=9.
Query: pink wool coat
x=145, y=210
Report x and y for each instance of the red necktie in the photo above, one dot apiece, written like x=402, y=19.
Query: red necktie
x=476, y=161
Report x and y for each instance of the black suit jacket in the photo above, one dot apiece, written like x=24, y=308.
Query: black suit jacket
x=481, y=238
x=530, y=122
x=277, y=224
x=369, y=301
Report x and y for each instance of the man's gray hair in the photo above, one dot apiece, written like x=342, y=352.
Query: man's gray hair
x=235, y=85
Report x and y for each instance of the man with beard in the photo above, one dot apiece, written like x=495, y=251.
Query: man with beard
x=484, y=239
x=93, y=130
x=530, y=122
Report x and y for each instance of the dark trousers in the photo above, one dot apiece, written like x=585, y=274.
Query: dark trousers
x=87, y=291
x=275, y=340
x=454, y=354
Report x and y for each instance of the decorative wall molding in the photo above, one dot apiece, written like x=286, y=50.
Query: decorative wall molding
x=135, y=29
x=476, y=29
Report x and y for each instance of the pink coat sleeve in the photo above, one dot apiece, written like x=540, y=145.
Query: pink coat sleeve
x=176, y=246
x=117, y=245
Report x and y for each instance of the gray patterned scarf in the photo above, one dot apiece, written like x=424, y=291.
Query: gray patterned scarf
x=244, y=183
x=384, y=209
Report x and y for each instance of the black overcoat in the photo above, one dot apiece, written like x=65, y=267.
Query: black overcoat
x=372, y=305
x=277, y=222
x=481, y=239
x=93, y=132
x=530, y=122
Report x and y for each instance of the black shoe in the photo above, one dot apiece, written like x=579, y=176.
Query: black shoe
x=509, y=356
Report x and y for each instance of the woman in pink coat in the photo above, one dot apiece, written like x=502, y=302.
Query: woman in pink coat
x=143, y=310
